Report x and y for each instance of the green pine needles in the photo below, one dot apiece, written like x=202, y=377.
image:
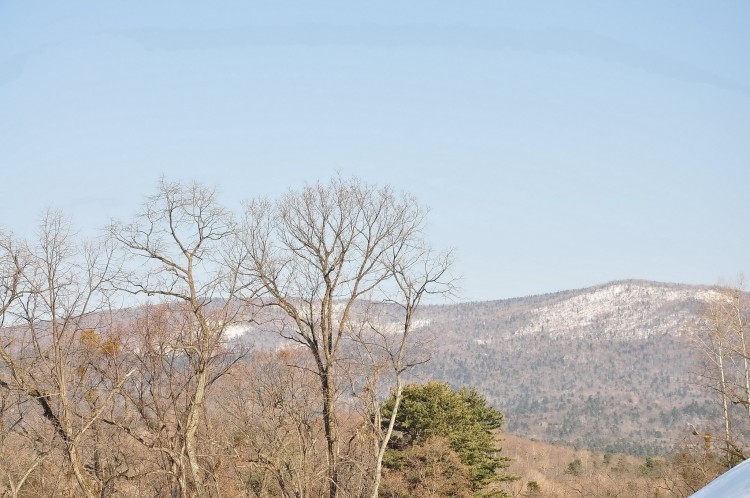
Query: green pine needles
x=463, y=419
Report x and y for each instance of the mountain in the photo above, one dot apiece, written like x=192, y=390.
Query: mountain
x=606, y=368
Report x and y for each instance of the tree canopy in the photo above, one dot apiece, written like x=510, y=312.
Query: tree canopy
x=463, y=417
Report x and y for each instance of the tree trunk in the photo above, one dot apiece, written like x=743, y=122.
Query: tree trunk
x=191, y=429
x=386, y=438
x=80, y=473
x=329, y=423
x=725, y=403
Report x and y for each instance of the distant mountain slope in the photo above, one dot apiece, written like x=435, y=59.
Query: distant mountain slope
x=606, y=367
x=630, y=309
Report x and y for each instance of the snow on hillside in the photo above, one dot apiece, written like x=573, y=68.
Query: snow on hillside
x=624, y=310
x=236, y=330
x=247, y=329
x=621, y=310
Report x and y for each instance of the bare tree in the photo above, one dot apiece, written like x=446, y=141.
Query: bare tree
x=386, y=340
x=416, y=273
x=736, y=309
x=181, y=251
x=320, y=252
x=55, y=291
x=13, y=263
x=269, y=411
x=721, y=338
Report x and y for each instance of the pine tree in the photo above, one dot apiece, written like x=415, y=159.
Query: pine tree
x=463, y=417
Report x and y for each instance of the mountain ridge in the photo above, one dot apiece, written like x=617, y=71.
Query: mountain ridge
x=607, y=367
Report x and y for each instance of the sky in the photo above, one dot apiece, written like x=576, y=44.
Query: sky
x=558, y=145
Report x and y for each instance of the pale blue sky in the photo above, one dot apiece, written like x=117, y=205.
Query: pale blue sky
x=558, y=144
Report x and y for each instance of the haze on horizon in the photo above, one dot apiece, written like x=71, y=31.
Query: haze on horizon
x=559, y=145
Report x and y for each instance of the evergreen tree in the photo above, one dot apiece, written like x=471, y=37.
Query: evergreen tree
x=463, y=417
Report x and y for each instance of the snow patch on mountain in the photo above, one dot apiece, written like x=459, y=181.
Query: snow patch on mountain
x=622, y=310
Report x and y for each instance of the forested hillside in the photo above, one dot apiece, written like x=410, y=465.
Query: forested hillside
x=606, y=368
